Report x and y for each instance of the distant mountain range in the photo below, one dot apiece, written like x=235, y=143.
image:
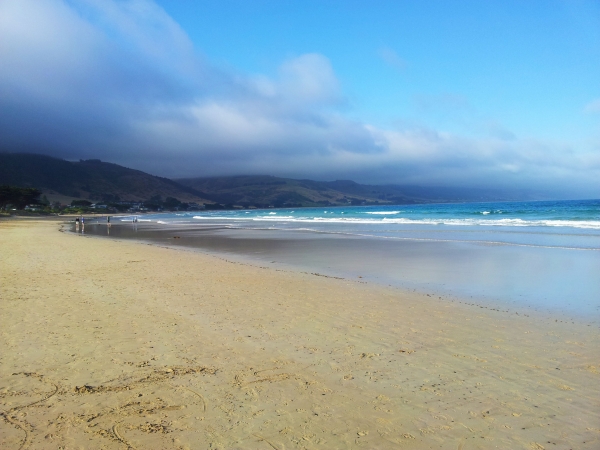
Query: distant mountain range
x=95, y=180
x=273, y=191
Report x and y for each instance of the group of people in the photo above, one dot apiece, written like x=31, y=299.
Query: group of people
x=81, y=221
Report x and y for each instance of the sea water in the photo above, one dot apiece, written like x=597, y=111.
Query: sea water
x=538, y=255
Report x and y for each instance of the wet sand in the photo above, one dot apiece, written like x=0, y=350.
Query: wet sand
x=556, y=279
x=118, y=344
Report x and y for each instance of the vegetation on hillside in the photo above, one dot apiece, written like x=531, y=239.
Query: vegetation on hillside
x=18, y=200
x=91, y=180
x=116, y=188
x=268, y=191
x=264, y=191
x=18, y=197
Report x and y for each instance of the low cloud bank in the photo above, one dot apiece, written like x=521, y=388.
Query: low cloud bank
x=121, y=81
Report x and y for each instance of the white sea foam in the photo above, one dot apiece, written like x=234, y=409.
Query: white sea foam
x=485, y=213
x=272, y=213
x=271, y=218
x=387, y=213
x=586, y=224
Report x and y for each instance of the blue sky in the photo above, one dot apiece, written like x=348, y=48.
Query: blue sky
x=530, y=65
x=463, y=93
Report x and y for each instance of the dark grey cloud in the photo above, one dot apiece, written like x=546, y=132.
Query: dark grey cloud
x=121, y=81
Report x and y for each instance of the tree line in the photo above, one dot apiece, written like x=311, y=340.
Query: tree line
x=18, y=197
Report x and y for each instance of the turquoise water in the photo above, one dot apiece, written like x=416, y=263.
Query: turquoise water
x=582, y=214
x=537, y=255
x=560, y=224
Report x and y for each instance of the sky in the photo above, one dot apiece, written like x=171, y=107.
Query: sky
x=471, y=94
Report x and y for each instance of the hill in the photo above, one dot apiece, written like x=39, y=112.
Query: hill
x=87, y=179
x=99, y=181
x=263, y=191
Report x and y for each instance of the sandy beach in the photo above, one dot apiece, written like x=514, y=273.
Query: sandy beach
x=121, y=345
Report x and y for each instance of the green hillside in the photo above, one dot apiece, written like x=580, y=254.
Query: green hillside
x=91, y=179
x=99, y=181
x=263, y=191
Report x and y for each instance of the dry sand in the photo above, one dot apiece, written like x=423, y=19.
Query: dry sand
x=116, y=344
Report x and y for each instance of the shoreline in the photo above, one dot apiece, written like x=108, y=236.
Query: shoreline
x=426, y=295
x=508, y=278
x=131, y=344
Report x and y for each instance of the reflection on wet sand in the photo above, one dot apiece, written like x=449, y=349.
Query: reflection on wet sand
x=547, y=279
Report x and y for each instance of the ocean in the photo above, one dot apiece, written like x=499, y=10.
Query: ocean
x=529, y=256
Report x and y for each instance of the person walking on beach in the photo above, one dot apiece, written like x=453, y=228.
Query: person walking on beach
x=108, y=220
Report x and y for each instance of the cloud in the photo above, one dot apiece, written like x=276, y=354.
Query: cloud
x=121, y=81
x=497, y=130
x=390, y=57
x=309, y=79
x=592, y=107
